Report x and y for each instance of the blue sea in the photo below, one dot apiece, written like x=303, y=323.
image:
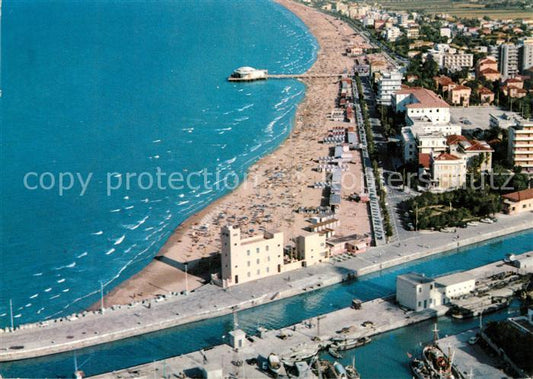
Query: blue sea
x=99, y=93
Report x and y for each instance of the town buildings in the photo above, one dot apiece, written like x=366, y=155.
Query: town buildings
x=518, y=202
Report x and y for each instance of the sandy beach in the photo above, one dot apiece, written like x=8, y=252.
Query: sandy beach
x=276, y=185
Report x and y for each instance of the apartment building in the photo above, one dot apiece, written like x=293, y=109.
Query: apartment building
x=247, y=259
x=521, y=145
x=508, y=64
x=457, y=61
x=526, y=55
x=388, y=83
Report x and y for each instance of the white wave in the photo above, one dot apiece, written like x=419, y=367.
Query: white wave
x=139, y=223
x=66, y=290
x=98, y=233
x=156, y=157
x=3, y=315
x=40, y=310
x=148, y=229
x=156, y=141
x=61, y=280
x=254, y=148
x=129, y=248
x=55, y=297
x=48, y=289
x=82, y=255
x=73, y=264
x=245, y=107
x=28, y=305
x=145, y=200
x=228, y=112
x=17, y=315
x=181, y=195
x=223, y=129
x=129, y=207
x=240, y=119
x=38, y=274
x=205, y=192
x=183, y=202
x=126, y=197
x=230, y=161
x=34, y=296
x=115, y=210
x=119, y=240
x=110, y=251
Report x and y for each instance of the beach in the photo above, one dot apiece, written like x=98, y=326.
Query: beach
x=275, y=186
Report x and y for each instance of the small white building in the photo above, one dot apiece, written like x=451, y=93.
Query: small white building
x=418, y=292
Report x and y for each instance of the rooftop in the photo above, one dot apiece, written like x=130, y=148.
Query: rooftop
x=447, y=157
x=424, y=97
x=520, y=195
x=415, y=278
x=454, y=279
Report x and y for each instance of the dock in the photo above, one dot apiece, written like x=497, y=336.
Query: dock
x=373, y=317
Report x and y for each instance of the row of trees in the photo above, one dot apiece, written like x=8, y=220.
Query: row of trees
x=454, y=208
x=373, y=157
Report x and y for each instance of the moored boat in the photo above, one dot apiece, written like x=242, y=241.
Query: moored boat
x=349, y=343
x=419, y=369
x=274, y=363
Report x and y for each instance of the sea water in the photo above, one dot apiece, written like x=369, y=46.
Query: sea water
x=100, y=89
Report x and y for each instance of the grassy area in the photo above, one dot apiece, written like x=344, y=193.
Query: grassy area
x=457, y=8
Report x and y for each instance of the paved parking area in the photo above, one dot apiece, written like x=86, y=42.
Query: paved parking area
x=478, y=117
x=471, y=358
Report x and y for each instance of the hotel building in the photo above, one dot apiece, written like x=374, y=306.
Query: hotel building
x=521, y=145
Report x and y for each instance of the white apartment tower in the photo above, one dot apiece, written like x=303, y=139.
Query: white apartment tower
x=508, y=63
x=521, y=145
x=388, y=84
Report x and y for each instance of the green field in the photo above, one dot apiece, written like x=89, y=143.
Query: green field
x=458, y=8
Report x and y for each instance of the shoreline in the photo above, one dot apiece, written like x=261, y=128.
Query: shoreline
x=165, y=273
x=121, y=323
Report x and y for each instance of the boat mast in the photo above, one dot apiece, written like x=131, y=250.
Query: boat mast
x=435, y=334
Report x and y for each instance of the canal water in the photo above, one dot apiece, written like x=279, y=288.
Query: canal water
x=391, y=348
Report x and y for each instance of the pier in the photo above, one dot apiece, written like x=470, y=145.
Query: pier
x=287, y=76
x=250, y=74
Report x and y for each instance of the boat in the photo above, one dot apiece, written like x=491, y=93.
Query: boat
x=439, y=366
x=274, y=363
x=349, y=343
x=334, y=353
x=419, y=369
x=351, y=371
x=302, y=354
x=339, y=371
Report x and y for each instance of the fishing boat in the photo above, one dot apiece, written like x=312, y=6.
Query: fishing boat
x=274, y=363
x=351, y=371
x=439, y=366
x=349, y=343
x=419, y=369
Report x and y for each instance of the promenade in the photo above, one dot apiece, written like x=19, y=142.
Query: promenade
x=310, y=334
x=92, y=328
